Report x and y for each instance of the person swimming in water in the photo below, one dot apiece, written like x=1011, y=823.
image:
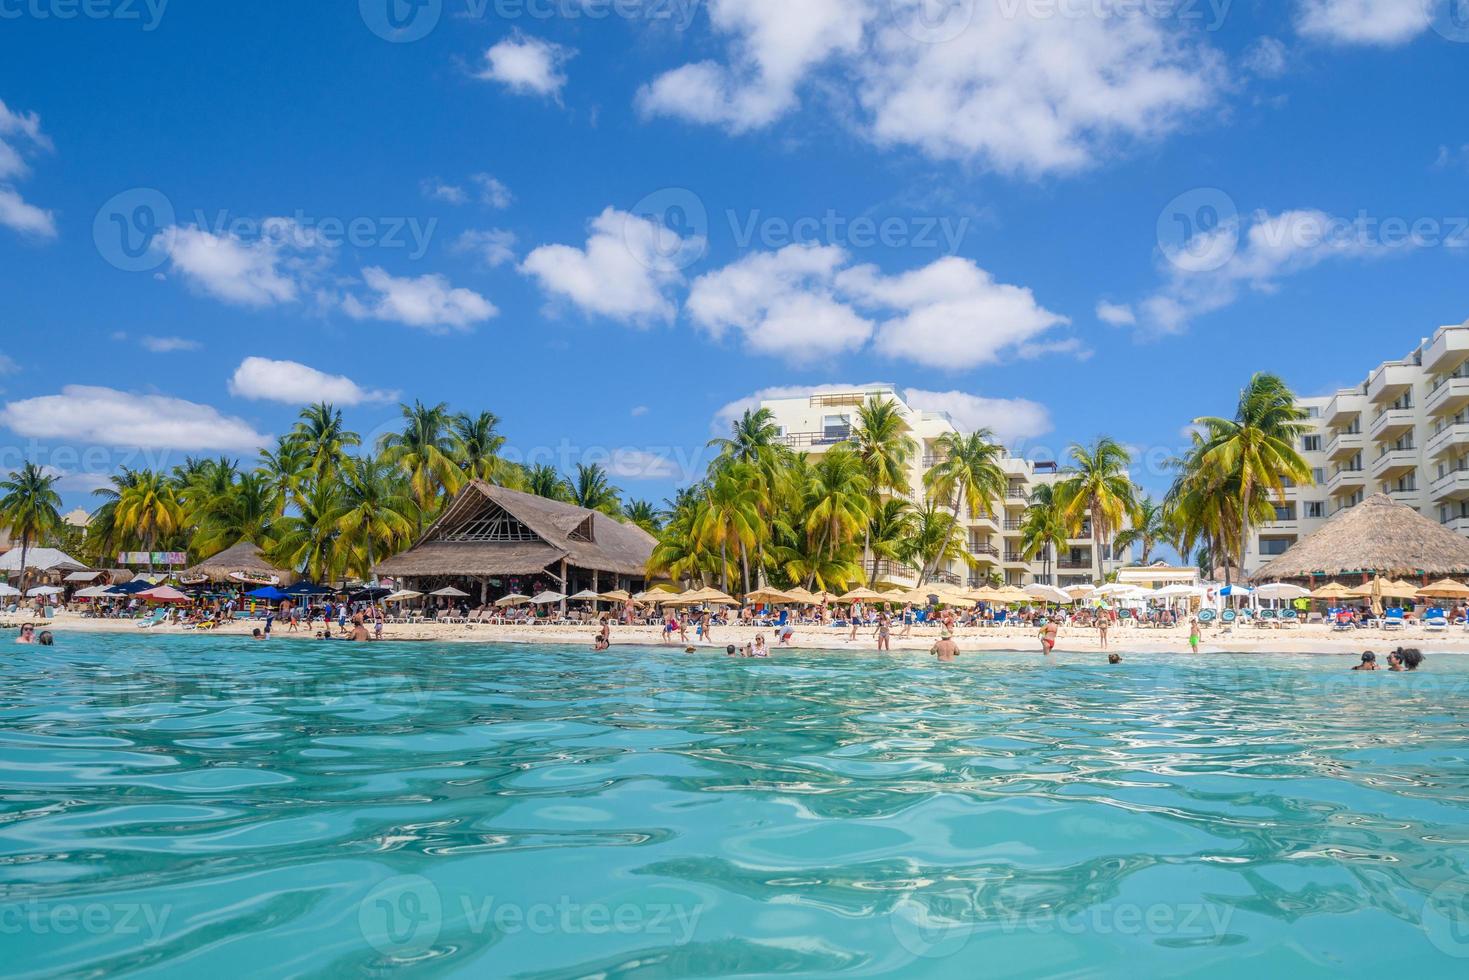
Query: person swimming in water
x=1369, y=661
x=1404, y=659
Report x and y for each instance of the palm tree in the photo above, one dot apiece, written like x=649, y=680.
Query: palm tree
x=425, y=451
x=149, y=511
x=730, y=513
x=246, y=512
x=477, y=445
x=969, y=472
x=1257, y=449
x=594, y=491
x=324, y=437
x=643, y=514
x=838, y=503
x=886, y=450
x=938, y=538
x=754, y=438
x=286, y=468
x=890, y=535
x=377, y=514
x=29, y=509
x=1043, y=529
x=311, y=539
x=1150, y=528
x=543, y=481
x=1098, y=490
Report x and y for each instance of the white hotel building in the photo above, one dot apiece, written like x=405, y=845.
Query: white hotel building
x=1403, y=431
x=816, y=422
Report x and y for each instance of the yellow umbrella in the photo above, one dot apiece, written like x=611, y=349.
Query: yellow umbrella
x=1446, y=589
x=768, y=595
x=861, y=595
x=1334, y=590
x=824, y=597
x=801, y=595
x=617, y=596
x=713, y=596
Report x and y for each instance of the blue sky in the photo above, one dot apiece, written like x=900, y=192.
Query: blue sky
x=609, y=223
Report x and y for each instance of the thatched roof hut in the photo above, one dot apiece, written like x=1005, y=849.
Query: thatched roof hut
x=491, y=531
x=1378, y=536
x=241, y=561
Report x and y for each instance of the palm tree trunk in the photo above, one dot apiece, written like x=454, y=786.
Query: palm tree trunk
x=1244, y=528
x=25, y=547
x=745, y=567
x=1097, y=543
x=724, y=565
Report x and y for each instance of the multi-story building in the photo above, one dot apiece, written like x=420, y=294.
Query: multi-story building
x=1404, y=431
x=816, y=422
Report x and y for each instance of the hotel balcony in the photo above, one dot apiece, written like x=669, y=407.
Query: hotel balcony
x=816, y=440
x=1015, y=559
x=983, y=550
x=1389, y=381
x=1448, y=397
x=1394, y=462
x=984, y=520
x=890, y=571
x=1450, y=439
x=1459, y=525
x=1447, y=350
x=1453, y=485
x=1071, y=564
x=1408, y=496
x=1345, y=479
x=1392, y=423
x=1345, y=444
x=1012, y=525
x=1344, y=407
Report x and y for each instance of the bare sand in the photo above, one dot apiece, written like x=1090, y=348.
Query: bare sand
x=1305, y=639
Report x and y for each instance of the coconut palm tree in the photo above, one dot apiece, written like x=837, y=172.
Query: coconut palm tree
x=476, y=449
x=754, y=438
x=286, y=468
x=643, y=514
x=311, y=538
x=890, y=535
x=324, y=437
x=246, y=512
x=543, y=481
x=969, y=471
x=377, y=516
x=425, y=451
x=1098, y=490
x=730, y=514
x=838, y=503
x=886, y=450
x=1043, y=529
x=1149, y=528
x=29, y=509
x=1257, y=449
x=591, y=489
x=938, y=538
x=149, y=511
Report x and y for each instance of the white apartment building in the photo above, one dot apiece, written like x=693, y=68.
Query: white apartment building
x=816, y=422
x=1403, y=431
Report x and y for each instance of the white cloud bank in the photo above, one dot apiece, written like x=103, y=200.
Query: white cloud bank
x=1007, y=85
x=292, y=383
x=108, y=417
x=21, y=138
x=262, y=271
x=1378, y=22
x=428, y=302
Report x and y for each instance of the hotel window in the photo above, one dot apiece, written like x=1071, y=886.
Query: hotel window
x=1318, y=475
x=1311, y=444
x=836, y=426
x=1315, y=508
x=1313, y=412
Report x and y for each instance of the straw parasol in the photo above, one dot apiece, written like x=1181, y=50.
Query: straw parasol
x=513, y=599
x=1333, y=590
x=1079, y=591
x=1379, y=536
x=768, y=594
x=800, y=594
x=861, y=595
x=545, y=598
x=585, y=595
x=449, y=592
x=1382, y=588
x=714, y=596
x=1008, y=596
x=616, y=596
x=1446, y=589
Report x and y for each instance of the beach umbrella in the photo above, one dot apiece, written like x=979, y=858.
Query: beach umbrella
x=403, y=596
x=713, y=596
x=44, y=590
x=1284, y=590
x=163, y=593
x=584, y=595
x=1333, y=590
x=895, y=594
x=95, y=592
x=617, y=596
x=8, y=590
x=1047, y=593
x=545, y=598
x=1445, y=589
x=449, y=592
x=802, y=595
x=302, y=590
x=269, y=593
x=1078, y=592
x=513, y=599
x=768, y=595
x=371, y=594
x=860, y=595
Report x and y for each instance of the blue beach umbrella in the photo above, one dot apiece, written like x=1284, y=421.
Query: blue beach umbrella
x=270, y=593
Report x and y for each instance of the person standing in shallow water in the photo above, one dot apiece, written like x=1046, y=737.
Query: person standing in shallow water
x=884, y=632
x=945, y=649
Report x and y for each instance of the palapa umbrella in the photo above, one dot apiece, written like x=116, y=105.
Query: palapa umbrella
x=714, y=597
x=1333, y=590
x=1445, y=589
x=617, y=596
x=403, y=595
x=860, y=595
x=800, y=594
x=584, y=595
x=768, y=595
x=894, y=594
x=513, y=599
x=547, y=598
x=449, y=592
x=919, y=596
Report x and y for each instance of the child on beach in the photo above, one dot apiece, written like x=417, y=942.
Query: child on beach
x=1193, y=634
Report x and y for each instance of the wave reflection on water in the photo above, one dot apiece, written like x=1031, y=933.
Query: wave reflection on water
x=212, y=804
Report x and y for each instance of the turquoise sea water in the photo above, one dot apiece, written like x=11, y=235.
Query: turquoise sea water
x=210, y=807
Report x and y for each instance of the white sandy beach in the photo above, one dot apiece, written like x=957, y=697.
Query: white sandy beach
x=1300, y=640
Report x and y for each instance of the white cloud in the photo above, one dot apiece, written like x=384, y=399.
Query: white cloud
x=1384, y=22
x=1208, y=273
x=783, y=302
x=167, y=345
x=108, y=417
x=495, y=247
x=637, y=464
x=20, y=137
x=1012, y=420
x=1116, y=314
x=1452, y=158
x=527, y=65
x=1016, y=89
x=435, y=189
x=262, y=379
x=8, y=365
x=428, y=301
x=626, y=272
x=805, y=304
x=266, y=270
x=1267, y=57
x=639, y=411
x=493, y=192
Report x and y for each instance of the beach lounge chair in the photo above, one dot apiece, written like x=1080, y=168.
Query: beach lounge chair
x=1435, y=624
x=1288, y=618
x=1392, y=620
x=1228, y=617
x=158, y=616
x=1265, y=619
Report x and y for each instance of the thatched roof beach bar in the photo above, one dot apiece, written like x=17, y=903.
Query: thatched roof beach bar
x=240, y=563
x=492, y=536
x=1378, y=537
